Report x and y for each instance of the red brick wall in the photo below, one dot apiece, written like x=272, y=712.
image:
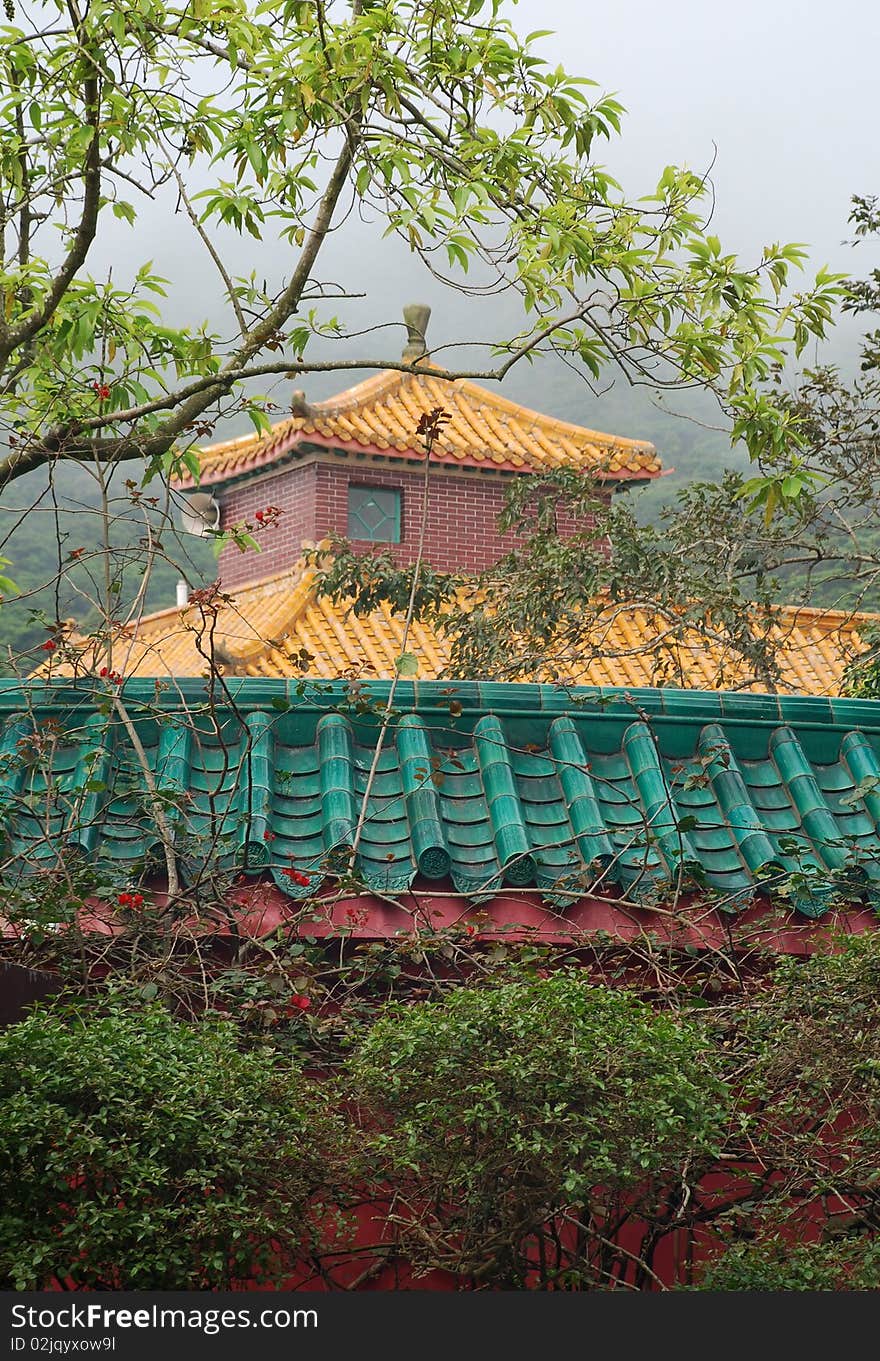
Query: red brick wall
x=293, y=490
x=462, y=532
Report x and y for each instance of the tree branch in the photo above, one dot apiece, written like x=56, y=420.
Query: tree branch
x=83, y=236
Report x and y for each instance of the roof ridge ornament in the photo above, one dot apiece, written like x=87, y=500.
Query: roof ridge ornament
x=416, y=315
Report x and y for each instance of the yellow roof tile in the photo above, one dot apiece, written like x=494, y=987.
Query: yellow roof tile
x=262, y=628
x=485, y=428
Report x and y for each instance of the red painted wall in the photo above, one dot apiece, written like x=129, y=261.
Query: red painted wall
x=462, y=532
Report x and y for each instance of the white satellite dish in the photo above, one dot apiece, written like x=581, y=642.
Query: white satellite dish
x=200, y=514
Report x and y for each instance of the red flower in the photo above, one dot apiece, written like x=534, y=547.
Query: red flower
x=471, y=929
x=102, y=390
x=299, y=1002
x=49, y=645
x=297, y=877
x=124, y=899
x=267, y=517
x=137, y=900
x=268, y=835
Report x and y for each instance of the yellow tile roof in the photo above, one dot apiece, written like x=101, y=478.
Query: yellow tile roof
x=281, y=627
x=486, y=430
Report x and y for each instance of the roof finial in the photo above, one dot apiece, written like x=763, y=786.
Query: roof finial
x=416, y=315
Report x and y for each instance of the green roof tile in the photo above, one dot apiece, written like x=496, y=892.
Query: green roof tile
x=528, y=785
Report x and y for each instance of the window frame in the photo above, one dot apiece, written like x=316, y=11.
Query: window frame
x=372, y=488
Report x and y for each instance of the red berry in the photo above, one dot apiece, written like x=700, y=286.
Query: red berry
x=49, y=646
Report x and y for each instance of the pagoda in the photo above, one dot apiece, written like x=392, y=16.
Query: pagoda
x=353, y=467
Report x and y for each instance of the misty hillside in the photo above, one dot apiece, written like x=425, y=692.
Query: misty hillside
x=50, y=529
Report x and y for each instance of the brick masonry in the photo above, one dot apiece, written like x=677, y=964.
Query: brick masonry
x=462, y=531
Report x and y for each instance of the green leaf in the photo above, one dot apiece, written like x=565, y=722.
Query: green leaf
x=259, y=420
x=124, y=210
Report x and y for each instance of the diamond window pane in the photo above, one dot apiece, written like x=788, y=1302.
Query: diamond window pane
x=374, y=514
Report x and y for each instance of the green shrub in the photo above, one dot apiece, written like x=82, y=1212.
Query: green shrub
x=140, y=1153
x=497, y=1111
x=773, y=1264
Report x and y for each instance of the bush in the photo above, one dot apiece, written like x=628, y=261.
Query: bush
x=847, y=1264
x=522, y=1126
x=804, y=1051
x=140, y=1153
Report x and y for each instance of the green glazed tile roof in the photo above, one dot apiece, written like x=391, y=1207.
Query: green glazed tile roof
x=522, y=785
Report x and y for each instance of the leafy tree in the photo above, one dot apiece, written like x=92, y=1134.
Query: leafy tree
x=801, y=1208
x=273, y=121
x=521, y=1127
x=138, y=1152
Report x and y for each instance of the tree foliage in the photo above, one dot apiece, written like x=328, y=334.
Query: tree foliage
x=773, y=1264
x=275, y=120
x=516, y=1123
